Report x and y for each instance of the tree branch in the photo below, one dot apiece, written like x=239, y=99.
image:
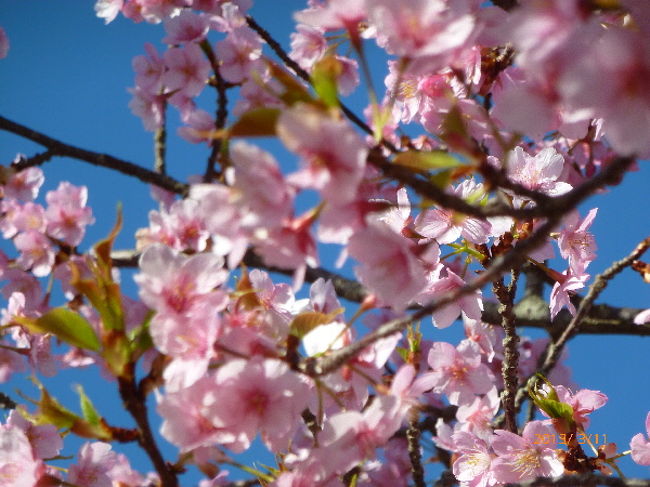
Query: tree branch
x=531, y=311
x=510, y=366
x=160, y=143
x=135, y=403
x=56, y=147
x=221, y=113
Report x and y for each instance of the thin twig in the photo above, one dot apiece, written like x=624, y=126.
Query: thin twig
x=221, y=113
x=554, y=349
x=546, y=206
x=59, y=148
x=304, y=75
x=160, y=142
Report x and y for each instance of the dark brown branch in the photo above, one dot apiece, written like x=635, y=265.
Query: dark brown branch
x=413, y=434
x=506, y=295
x=531, y=311
x=6, y=402
x=135, y=403
x=35, y=160
x=506, y=4
x=546, y=205
x=56, y=147
x=221, y=113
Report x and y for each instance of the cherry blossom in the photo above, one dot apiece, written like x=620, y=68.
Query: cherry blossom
x=389, y=267
x=334, y=156
x=577, y=245
x=458, y=372
x=17, y=463
x=521, y=458
x=640, y=446
x=583, y=402
x=67, y=214
x=187, y=69
x=257, y=396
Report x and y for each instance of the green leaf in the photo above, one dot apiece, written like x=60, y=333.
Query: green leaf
x=66, y=325
x=426, y=161
x=324, y=78
x=50, y=411
x=259, y=122
x=549, y=402
x=88, y=410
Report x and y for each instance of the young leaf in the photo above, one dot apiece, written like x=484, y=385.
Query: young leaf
x=426, y=161
x=66, y=325
x=258, y=122
x=324, y=78
x=88, y=410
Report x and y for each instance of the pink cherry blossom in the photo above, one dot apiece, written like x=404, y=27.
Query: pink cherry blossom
x=351, y=436
x=187, y=70
x=36, y=252
x=186, y=27
x=24, y=185
x=417, y=28
x=257, y=396
x=388, y=265
x=522, y=458
x=477, y=416
x=94, y=465
x=182, y=289
x=184, y=413
x=333, y=154
x=443, y=280
x=108, y=9
x=562, y=291
x=307, y=45
x=640, y=445
x=266, y=198
x=45, y=439
x=67, y=214
x=621, y=60
x=577, y=245
x=473, y=465
x=239, y=53
x=149, y=70
x=458, y=372
x=149, y=107
x=18, y=467
x=540, y=172
x=336, y=14
x=583, y=402
x=446, y=226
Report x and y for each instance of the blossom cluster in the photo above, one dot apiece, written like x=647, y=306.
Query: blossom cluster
x=510, y=123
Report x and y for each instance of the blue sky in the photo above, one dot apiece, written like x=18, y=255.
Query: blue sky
x=67, y=75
